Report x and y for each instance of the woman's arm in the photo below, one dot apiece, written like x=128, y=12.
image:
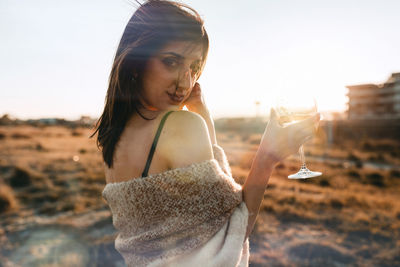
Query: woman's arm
x=255, y=185
x=276, y=144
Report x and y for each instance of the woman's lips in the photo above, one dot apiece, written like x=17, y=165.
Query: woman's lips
x=175, y=98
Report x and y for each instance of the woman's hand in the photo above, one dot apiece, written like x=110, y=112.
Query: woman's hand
x=195, y=102
x=279, y=142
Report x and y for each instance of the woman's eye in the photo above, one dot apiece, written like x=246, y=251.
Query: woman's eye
x=171, y=62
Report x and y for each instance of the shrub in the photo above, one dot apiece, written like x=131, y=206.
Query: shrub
x=375, y=179
x=267, y=208
x=4, y=203
x=20, y=136
x=66, y=207
x=39, y=147
x=280, y=166
x=20, y=178
x=356, y=160
x=359, y=164
x=394, y=174
x=384, y=147
x=245, y=137
x=324, y=182
x=353, y=173
x=7, y=199
x=255, y=140
x=367, y=146
x=48, y=209
x=336, y=204
x=287, y=200
x=76, y=133
x=394, y=153
x=377, y=157
x=352, y=157
x=2, y=136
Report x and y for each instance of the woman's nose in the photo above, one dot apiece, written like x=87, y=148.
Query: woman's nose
x=185, y=80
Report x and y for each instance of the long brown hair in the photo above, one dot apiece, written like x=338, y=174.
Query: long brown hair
x=153, y=25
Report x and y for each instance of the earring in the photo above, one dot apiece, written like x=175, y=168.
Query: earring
x=134, y=77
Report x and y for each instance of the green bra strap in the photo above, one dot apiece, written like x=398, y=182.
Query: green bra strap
x=153, y=146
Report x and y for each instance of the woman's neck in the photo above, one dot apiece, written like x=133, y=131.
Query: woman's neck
x=146, y=114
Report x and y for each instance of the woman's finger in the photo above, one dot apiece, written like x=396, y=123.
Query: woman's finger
x=273, y=118
x=310, y=122
x=196, y=87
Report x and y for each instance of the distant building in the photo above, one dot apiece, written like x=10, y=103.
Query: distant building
x=48, y=121
x=375, y=101
x=6, y=120
x=86, y=121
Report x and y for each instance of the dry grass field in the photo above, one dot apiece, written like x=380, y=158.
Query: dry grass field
x=52, y=212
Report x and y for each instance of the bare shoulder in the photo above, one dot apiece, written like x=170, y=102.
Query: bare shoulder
x=183, y=119
x=186, y=139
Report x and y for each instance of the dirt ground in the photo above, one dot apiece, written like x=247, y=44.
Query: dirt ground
x=52, y=212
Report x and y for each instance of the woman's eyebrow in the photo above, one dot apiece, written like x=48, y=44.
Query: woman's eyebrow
x=178, y=55
x=174, y=54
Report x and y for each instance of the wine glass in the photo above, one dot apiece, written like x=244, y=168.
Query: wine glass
x=291, y=109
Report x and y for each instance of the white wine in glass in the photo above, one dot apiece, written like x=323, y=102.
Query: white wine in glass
x=291, y=110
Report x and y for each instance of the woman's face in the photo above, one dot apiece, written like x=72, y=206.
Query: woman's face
x=170, y=75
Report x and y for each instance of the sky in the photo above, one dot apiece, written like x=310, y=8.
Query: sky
x=55, y=56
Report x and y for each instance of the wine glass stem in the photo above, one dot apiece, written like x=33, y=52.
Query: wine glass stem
x=303, y=159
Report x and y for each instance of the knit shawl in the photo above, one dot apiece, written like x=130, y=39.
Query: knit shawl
x=174, y=212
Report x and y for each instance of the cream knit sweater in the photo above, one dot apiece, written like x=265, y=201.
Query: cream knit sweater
x=191, y=216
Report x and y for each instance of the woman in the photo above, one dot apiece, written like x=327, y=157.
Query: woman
x=169, y=186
